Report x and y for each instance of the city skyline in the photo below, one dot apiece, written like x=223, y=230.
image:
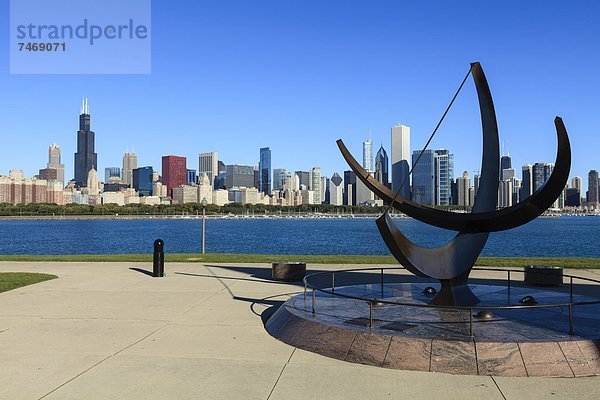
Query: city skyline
x=327, y=89
x=430, y=183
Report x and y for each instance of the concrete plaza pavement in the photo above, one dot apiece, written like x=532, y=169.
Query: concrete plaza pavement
x=110, y=331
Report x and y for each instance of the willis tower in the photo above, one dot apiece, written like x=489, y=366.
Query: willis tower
x=85, y=158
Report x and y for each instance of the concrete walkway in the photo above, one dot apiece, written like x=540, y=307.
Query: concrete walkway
x=109, y=331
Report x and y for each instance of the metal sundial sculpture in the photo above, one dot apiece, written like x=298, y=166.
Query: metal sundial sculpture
x=452, y=262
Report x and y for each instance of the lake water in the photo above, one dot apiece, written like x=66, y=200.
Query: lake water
x=552, y=237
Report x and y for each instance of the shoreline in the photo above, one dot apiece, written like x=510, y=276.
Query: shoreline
x=273, y=216
x=187, y=217
x=518, y=262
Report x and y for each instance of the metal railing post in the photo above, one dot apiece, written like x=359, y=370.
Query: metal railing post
x=571, y=319
x=571, y=288
x=333, y=282
x=508, y=279
x=305, y=290
x=313, y=301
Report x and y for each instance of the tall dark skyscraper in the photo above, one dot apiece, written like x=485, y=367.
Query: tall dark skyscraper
x=264, y=171
x=505, y=162
x=142, y=180
x=527, y=182
x=381, y=167
x=593, y=196
x=85, y=158
x=423, y=176
x=349, y=197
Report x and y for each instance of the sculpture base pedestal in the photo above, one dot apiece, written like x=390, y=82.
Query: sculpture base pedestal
x=455, y=292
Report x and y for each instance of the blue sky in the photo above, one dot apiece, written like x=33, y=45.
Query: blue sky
x=234, y=76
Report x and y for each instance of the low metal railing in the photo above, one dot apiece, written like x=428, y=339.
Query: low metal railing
x=380, y=301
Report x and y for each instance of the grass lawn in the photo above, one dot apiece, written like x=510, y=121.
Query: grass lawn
x=314, y=259
x=13, y=280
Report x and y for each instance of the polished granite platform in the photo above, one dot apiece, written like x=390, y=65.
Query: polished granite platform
x=516, y=342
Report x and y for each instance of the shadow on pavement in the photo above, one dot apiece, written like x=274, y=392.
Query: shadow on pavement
x=143, y=271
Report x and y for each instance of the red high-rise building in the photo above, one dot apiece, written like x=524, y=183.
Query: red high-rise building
x=173, y=172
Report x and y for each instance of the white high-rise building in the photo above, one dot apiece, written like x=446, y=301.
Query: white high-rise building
x=129, y=164
x=401, y=159
x=92, y=183
x=336, y=190
x=208, y=163
x=315, y=182
x=324, y=188
x=577, y=183
x=507, y=174
x=364, y=195
x=205, y=189
x=368, y=155
x=289, y=183
x=463, y=183
x=505, y=194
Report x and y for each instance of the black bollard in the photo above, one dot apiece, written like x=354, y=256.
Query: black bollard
x=158, y=268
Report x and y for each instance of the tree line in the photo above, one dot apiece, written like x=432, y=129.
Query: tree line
x=32, y=210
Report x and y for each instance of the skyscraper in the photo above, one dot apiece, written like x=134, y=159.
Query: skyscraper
x=205, y=188
x=527, y=183
x=173, y=172
x=208, y=163
x=112, y=172
x=444, y=175
x=325, y=194
x=541, y=173
x=315, y=174
x=239, y=176
x=423, y=177
x=304, y=178
x=577, y=183
x=264, y=171
x=381, y=167
x=54, y=162
x=92, y=183
x=368, y=155
x=476, y=180
x=505, y=193
x=505, y=162
x=142, y=180
x=349, y=188
x=336, y=190
x=191, y=177
x=129, y=164
x=463, y=184
x=573, y=197
x=507, y=174
x=401, y=159
x=593, y=195
x=279, y=178
x=85, y=158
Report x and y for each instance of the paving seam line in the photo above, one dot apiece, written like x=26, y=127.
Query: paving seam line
x=498, y=387
x=280, y=374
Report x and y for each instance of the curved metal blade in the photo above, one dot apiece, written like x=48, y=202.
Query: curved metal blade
x=458, y=256
x=493, y=221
